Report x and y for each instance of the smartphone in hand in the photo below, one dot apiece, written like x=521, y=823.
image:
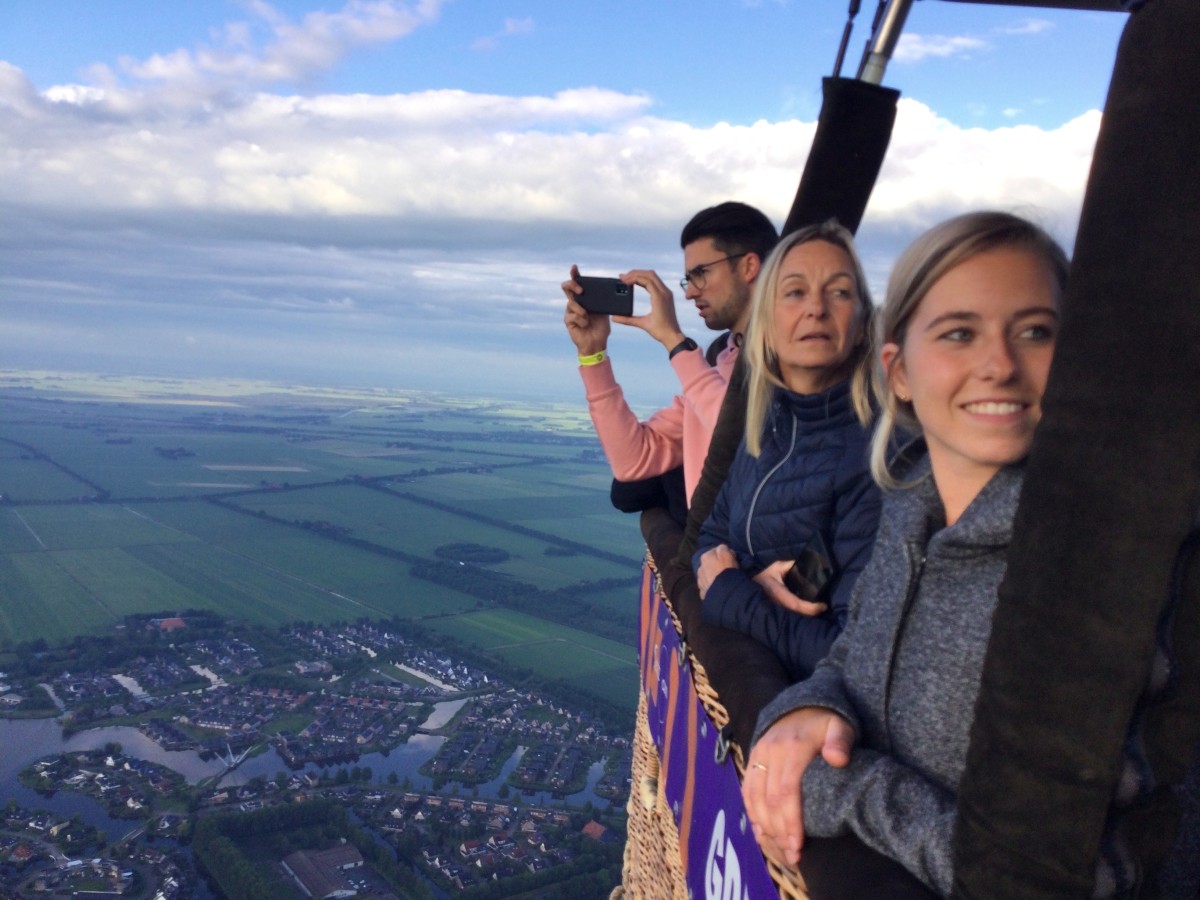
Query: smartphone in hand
x=809, y=576
x=610, y=296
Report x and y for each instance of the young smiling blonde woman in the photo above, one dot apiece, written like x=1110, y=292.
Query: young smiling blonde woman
x=872, y=746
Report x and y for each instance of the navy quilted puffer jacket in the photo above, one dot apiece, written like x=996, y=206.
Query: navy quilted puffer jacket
x=811, y=476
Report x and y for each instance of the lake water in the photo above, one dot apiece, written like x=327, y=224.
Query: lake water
x=22, y=741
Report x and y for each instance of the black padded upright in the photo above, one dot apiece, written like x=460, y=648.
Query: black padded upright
x=1112, y=490
x=852, y=137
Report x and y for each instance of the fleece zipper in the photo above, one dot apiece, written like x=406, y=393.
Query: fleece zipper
x=763, y=482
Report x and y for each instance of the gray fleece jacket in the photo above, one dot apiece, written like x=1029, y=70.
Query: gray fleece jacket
x=906, y=672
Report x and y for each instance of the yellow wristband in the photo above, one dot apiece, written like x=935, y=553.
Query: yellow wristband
x=594, y=360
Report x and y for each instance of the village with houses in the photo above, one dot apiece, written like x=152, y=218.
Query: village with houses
x=322, y=699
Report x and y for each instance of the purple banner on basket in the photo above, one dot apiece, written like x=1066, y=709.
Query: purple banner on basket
x=719, y=854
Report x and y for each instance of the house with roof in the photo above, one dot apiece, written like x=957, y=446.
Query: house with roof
x=598, y=832
x=323, y=873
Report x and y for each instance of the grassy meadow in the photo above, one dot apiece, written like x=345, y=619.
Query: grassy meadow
x=272, y=505
x=585, y=661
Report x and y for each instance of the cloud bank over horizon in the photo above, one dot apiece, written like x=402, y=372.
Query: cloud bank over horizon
x=193, y=213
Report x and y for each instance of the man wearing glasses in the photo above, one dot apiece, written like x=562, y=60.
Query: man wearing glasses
x=724, y=247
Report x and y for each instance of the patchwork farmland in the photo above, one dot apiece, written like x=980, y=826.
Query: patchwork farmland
x=486, y=524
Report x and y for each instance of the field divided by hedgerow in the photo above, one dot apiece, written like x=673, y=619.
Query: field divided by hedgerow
x=519, y=492
x=241, y=587
x=570, y=501
x=38, y=480
x=375, y=585
x=391, y=520
x=620, y=602
x=239, y=566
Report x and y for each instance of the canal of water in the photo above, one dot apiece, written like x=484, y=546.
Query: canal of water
x=23, y=741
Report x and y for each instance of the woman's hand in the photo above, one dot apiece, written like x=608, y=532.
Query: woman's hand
x=770, y=580
x=771, y=787
x=712, y=563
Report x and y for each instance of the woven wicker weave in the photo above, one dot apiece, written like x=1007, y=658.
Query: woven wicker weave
x=652, y=868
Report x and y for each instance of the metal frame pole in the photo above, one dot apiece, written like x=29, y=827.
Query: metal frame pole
x=883, y=41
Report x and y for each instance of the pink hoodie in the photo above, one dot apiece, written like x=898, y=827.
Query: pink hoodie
x=680, y=433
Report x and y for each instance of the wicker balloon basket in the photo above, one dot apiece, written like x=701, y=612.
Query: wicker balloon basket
x=652, y=868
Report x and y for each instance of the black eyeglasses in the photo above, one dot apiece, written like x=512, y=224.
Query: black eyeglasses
x=696, y=277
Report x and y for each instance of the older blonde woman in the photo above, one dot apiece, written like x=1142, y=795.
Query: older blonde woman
x=799, y=489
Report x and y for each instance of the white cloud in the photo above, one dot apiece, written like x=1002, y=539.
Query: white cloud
x=453, y=156
x=403, y=238
x=275, y=49
x=18, y=97
x=1027, y=26
x=936, y=168
x=912, y=48
x=511, y=28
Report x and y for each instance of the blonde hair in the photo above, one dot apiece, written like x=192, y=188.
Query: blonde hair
x=919, y=267
x=763, y=362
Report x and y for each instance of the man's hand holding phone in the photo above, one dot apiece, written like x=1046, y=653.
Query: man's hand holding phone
x=661, y=323
x=589, y=332
x=592, y=300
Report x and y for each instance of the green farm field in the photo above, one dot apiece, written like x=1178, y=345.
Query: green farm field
x=39, y=599
x=270, y=505
x=122, y=584
x=91, y=526
x=352, y=582
x=520, y=492
x=36, y=480
x=590, y=663
x=391, y=520
x=15, y=533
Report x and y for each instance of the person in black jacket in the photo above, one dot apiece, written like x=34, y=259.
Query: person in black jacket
x=799, y=495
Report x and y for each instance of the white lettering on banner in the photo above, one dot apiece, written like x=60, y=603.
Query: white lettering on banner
x=723, y=882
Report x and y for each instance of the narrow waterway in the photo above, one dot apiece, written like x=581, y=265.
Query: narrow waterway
x=23, y=741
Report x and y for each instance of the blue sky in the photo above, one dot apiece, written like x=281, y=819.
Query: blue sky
x=388, y=193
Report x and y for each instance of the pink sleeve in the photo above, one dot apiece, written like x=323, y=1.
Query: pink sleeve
x=634, y=449
x=704, y=385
